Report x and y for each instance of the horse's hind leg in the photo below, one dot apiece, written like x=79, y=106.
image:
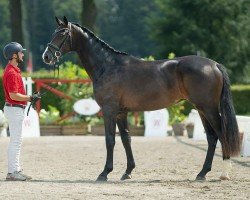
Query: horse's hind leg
x=126, y=140
x=213, y=118
x=212, y=139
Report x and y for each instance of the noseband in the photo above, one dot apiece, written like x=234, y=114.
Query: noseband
x=57, y=49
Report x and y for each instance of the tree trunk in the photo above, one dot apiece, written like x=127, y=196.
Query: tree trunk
x=15, y=7
x=89, y=13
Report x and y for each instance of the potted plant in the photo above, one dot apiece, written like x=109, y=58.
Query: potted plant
x=176, y=118
x=190, y=129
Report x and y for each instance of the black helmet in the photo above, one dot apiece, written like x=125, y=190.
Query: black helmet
x=12, y=48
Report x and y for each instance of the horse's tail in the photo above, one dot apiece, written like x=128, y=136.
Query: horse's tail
x=230, y=132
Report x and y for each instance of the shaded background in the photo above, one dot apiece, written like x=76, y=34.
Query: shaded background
x=218, y=29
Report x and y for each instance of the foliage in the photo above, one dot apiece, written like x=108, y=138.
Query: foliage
x=38, y=26
x=216, y=29
x=69, y=70
x=5, y=32
x=95, y=120
x=75, y=90
x=241, y=96
x=50, y=116
x=3, y=120
x=122, y=25
x=176, y=113
x=149, y=58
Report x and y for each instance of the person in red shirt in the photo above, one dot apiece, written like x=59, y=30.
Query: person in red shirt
x=15, y=103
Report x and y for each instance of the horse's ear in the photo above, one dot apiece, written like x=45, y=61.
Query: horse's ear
x=59, y=22
x=65, y=21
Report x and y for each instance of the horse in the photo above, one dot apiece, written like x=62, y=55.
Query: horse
x=124, y=83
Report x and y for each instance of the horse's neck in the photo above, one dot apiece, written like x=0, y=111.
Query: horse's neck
x=95, y=56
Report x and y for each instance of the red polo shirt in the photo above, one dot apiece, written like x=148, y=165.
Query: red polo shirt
x=12, y=82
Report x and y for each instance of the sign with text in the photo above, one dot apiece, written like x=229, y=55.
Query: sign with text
x=156, y=122
x=31, y=127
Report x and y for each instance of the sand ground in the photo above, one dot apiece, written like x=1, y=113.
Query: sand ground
x=66, y=168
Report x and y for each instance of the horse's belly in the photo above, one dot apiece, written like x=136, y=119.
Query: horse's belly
x=149, y=101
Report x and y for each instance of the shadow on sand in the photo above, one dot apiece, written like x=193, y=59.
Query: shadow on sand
x=244, y=164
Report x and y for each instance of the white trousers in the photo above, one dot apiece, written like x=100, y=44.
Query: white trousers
x=15, y=116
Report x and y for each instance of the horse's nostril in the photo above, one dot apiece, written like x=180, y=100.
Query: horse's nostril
x=46, y=57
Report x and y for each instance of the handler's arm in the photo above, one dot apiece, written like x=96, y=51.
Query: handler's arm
x=19, y=97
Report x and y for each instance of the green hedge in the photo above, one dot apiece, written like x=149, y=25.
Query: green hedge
x=241, y=98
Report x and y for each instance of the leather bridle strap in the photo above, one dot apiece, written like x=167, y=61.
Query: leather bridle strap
x=57, y=54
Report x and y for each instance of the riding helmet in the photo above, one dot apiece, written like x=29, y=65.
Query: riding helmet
x=12, y=48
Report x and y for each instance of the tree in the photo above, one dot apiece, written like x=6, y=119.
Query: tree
x=15, y=7
x=4, y=29
x=88, y=14
x=211, y=28
x=16, y=21
x=123, y=25
x=40, y=25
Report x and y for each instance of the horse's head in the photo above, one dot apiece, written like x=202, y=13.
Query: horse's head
x=60, y=44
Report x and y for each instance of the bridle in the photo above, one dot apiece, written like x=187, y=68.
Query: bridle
x=57, y=49
x=56, y=55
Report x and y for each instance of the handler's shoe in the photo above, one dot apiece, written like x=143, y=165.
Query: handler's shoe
x=17, y=176
x=27, y=177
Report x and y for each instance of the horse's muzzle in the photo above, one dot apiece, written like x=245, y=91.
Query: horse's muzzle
x=48, y=58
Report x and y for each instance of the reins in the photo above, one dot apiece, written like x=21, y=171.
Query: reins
x=55, y=66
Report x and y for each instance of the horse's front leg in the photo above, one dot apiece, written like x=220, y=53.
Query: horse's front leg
x=110, y=122
x=126, y=140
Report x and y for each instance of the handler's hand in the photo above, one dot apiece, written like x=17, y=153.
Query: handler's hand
x=35, y=97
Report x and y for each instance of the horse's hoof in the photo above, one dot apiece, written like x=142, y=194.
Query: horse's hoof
x=101, y=178
x=126, y=176
x=224, y=178
x=200, y=178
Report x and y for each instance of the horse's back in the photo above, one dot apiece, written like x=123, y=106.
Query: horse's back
x=148, y=85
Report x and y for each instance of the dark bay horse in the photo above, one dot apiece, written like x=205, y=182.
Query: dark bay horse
x=124, y=83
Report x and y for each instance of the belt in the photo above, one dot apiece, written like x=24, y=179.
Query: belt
x=15, y=105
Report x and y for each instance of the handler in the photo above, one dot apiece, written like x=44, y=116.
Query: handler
x=15, y=103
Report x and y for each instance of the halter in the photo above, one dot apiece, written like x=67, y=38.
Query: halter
x=57, y=54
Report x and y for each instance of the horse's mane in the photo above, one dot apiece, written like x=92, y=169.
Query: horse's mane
x=99, y=40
